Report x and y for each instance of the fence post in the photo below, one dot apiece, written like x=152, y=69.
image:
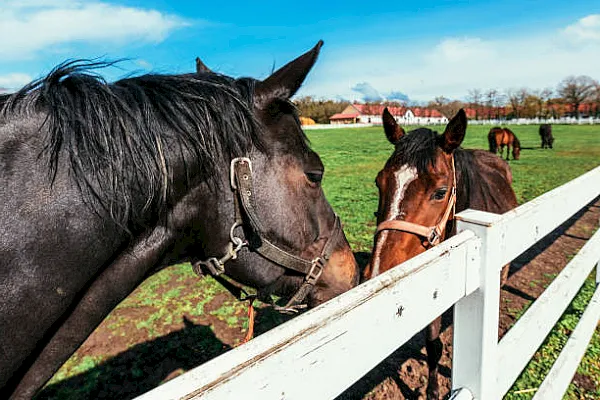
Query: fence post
x=475, y=360
x=598, y=266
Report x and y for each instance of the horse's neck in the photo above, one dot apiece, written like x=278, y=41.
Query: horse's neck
x=482, y=184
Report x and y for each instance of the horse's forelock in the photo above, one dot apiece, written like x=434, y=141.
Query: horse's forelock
x=416, y=149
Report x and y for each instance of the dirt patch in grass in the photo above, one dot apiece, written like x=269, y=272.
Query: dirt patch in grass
x=584, y=382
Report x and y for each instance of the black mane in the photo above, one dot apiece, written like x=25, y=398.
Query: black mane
x=122, y=139
x=417, y=149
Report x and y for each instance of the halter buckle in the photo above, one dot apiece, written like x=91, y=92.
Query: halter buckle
x=434, y=236
x=318, y=264
x=232, y=169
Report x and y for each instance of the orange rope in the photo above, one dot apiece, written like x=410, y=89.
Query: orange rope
x=250, y=333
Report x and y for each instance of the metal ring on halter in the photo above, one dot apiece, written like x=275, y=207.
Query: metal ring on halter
x=237, y=241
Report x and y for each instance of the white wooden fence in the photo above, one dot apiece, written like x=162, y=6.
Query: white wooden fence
x=494, y=122
x=324, y=351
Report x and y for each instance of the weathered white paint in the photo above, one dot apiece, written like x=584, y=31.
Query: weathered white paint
x=322, y=352
x=521, y=342
x=560, y=375
x=476, y=316
x=462, y=394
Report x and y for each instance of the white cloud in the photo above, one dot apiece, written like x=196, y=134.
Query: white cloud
x=458, y=50
x=30, y=26
x=586, y=29
x=13, y=81
x=454, y=65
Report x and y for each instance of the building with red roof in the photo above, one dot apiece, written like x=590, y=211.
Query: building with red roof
x=371, y=114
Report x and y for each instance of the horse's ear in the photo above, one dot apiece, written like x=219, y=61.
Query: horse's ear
x=455, y=132
x=393, y=131
x=284, y=82
x=201, y=67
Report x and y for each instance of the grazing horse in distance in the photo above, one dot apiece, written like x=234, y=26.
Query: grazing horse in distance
x=546, y=136
x=425, y=181
x=500, y=137
x=105, y=184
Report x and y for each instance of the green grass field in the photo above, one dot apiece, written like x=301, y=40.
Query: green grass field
x=352, y=158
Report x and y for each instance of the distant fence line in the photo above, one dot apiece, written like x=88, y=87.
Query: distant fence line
x=519, y=121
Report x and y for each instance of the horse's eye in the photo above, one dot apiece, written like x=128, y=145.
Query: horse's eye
x=439, y=194
x=314, y=176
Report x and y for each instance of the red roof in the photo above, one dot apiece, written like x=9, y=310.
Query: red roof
x=583, y=107
x=344, y=116
x=377, y=109
x=471, y=113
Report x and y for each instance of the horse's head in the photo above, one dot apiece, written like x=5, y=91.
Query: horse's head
x=291, y=230
x=417, y=189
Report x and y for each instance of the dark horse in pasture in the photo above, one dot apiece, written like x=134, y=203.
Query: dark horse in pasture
x=426, y=180
x=104, y=184
x=500, y=137
x=546, y=136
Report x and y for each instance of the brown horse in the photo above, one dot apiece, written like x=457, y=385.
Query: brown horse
x=428, y=178
x=500, y=137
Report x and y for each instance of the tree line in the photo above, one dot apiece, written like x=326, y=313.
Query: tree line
x=573, y=96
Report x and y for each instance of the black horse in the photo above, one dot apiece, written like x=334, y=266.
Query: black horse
x=105, y=184
x=546, y=135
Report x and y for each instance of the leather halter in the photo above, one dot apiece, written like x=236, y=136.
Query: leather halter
x=245, y=213
x=431, y=234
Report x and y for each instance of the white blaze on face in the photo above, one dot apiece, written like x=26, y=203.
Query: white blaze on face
x=402, y=178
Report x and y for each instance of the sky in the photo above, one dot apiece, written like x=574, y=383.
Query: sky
x=401, y=50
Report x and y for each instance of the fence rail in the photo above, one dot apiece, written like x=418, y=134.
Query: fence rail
x=324, y=351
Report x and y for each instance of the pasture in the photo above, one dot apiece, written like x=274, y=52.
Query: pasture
x=146, y=340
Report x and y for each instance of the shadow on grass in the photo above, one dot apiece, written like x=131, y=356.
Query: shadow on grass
x=142, y=367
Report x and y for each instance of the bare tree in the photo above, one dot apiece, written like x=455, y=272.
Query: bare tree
x=543, y=108
x=575, y=90
x=492, y=102
x=319, y=109
x=474, y=97
x=531, y=106
x=516, y=99
x=445, y=106
x=595, y=97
